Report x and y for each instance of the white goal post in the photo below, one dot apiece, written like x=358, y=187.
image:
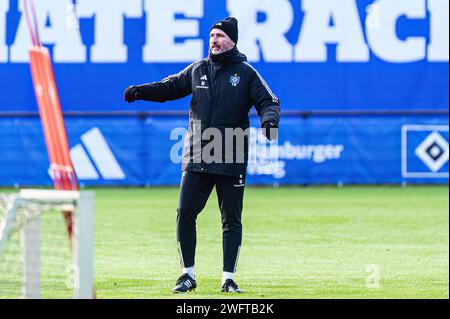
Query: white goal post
x=20, y=216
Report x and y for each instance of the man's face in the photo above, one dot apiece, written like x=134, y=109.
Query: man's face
x=220, y=42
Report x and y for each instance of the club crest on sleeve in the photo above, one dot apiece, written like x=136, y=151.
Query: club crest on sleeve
x=234, y=80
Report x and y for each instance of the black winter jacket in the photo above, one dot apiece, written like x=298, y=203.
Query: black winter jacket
x=224, y=88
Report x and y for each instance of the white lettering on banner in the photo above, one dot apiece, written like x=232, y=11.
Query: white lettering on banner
x=4, y=7
x=109, y=26
x=269, y=34
x=263, y=164
x=67, y=41
x=316, y=32
x=439, y=30
x=273, y=162
x=172, y=30
x=384, y=40
x=163, y=29
x=373, y=16
x=316, y=153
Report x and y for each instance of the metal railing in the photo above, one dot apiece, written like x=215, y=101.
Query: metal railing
x=293, y=113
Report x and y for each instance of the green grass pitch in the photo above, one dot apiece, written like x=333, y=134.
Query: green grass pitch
x=297, y=243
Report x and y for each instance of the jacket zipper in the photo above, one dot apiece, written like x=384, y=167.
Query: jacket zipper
x=213, y=95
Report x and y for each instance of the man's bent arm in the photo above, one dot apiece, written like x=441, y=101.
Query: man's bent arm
x=171, y=88
x=266, y=103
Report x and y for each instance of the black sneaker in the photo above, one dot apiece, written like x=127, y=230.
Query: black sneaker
x=231, y=286
x=184, y=284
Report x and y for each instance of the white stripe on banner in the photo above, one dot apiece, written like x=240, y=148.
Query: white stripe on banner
x=82, y=164
x=102, y=155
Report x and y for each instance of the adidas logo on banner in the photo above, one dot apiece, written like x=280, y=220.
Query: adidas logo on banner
x=95, y=147
x=101, y=155
x=204, y=78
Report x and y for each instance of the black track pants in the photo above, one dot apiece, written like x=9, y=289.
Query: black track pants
x=194, y=193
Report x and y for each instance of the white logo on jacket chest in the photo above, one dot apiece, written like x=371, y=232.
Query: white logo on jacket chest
x=202, y=85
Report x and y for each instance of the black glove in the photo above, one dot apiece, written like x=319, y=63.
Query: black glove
x=131, y=94
x=270, y=130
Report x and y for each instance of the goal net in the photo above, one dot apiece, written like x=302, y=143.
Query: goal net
x=38, y=258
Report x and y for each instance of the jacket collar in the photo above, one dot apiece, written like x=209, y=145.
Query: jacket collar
x=232, y=56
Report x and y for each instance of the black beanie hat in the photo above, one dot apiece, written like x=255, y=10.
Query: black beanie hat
x=229, y=26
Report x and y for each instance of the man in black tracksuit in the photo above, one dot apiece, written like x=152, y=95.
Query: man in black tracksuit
x=224, y=88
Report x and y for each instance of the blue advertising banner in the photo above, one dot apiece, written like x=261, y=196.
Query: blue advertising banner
x=316, y=150
x=315, y=54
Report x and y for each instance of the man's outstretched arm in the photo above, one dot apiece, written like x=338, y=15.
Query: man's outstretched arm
x=171, y=88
